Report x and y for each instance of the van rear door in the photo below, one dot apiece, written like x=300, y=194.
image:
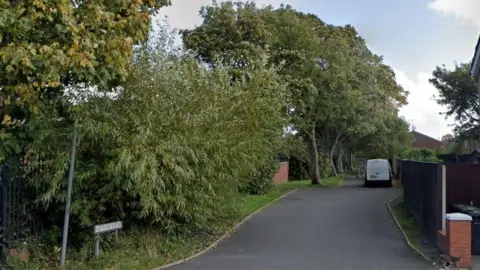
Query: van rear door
x=378, y=170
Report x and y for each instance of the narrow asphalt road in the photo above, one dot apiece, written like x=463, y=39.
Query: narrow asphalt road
x=344, y=228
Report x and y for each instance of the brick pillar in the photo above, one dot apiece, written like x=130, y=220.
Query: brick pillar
x=458, y=238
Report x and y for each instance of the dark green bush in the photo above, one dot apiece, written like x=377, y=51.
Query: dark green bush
x=419, y=154
x=260, y=180
x=171, y=149
x=298, y=168
x=325, y=166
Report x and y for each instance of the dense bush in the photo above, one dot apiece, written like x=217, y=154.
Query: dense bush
x=298, y=168
x=260, y=179
x=419, y=155
x=169, y=147
x=325, y=166
x=299, y=161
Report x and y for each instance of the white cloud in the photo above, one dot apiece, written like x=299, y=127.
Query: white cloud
x=465, y=10
x=422, y=109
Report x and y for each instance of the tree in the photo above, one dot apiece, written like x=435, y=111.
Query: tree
x=338, y=88
x=357, y=103
x=234, y=35
x=172, y=148
x=392, y=137
x=244, y=35
x=447, y=138
x=48, y=45
x=459, y=93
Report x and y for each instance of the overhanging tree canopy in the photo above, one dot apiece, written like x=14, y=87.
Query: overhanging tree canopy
x=338, y=88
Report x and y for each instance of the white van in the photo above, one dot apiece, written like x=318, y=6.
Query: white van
x=378, y=171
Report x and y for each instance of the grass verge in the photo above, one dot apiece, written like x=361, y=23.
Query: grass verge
x=407, y=222
x=148, y=249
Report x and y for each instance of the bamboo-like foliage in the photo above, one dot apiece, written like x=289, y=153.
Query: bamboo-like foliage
x=171, y=146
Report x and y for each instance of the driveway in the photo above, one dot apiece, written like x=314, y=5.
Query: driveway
x=344, y=228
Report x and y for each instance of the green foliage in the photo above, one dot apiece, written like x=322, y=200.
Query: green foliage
x=298, y=163
x=170, y=148
x=391, y=138
x=338, y=88
x=47, y=44
x=298, y=169
x=417, y=154
x=458, y=92
x=260, y=179
x=169, y=138
x=325, y=166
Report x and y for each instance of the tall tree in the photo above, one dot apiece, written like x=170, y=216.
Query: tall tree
x=337, y=86
x=47, y=44
x=355, y=105
x=391, y=137
x=459, y=94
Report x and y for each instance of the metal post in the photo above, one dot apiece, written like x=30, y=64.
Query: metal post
x=3, y=208
x=97, y=246
x=69, y=194
x=444, y=196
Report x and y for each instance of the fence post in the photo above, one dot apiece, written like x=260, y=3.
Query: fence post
x=3, y=209
x=444, y=196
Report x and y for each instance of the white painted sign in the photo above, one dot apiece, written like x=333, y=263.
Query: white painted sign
x=108, y=227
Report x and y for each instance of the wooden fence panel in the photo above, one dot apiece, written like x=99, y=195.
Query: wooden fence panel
x=422, y=186
x=458, y=184
x=475, y=184
x=463, y=185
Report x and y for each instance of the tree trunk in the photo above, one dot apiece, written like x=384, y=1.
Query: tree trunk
x=340, y=160
x=312, y=149
x=330, y=153
x=332, y=162
x=352, y=161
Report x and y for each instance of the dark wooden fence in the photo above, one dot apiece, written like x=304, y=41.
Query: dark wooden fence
x=463, y=185
x=422, y=187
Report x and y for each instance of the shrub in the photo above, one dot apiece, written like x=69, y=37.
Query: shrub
x=419, y=155
x=260, y=180
x=325, y=166
x=298, y=168
x=170, y=147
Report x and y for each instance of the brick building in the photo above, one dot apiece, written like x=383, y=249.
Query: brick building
x=420, y=140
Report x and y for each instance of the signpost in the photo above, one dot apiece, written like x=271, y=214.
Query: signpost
x=69, y=194
x=103, y=228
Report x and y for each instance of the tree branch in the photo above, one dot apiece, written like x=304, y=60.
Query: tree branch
x=470, y=116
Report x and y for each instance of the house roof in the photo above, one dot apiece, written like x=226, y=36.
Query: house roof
x=426, y=136
x=475, y=68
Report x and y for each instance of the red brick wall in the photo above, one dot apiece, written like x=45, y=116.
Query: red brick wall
x=282, y=174
x=460, y=241
x=456, y=241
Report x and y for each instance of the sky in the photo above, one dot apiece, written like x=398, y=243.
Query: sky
x=414, y=36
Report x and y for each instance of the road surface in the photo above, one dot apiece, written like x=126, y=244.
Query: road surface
x=344, y=228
